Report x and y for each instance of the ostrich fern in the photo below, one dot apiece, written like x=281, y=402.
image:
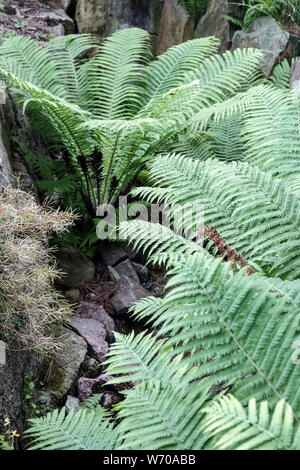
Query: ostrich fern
x=114, y=110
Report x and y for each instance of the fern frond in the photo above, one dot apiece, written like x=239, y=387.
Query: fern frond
x=67, y=54
x=271, y=131
x=83, y=430
x=154, y=417
x=254, y=212
x=31, y=62
x=232, y=427
x=116, y=75
x=281, y=74
x=168, y=70
x=236, y=328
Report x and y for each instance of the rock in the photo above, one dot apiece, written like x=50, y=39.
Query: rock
x=176, y=26
x=91, y=16
x=72, y=403
x=113, y=275
x=264, y=33
x=128, y=293
x=141, y=271
x=96, y=312
x=76, y=267
x=57, y=17
x=126, y=269
x=73, y=295
x=85, y=385
x=12, y=402
x=62, y=376
x=213, y=23
x=94, y=334
x=112, y=254
x=295, y=76
x=6, y=174
x=153, y=19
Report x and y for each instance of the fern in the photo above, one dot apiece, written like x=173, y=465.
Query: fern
x=110, y=131
x=84, y=429
x=230, y=426
x=232, y=195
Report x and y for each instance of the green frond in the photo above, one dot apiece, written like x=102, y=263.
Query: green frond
x=168, y=70
x=116, y=74
x=85, y=429
x=226, y=135
x=237, y=328
x=31, y=62
x=254, y=212
x=271, y=132
x=154, y=417
x=140, y=357
x=67, y=55
x=158, y=240
x=281, y=74
x=232, y=427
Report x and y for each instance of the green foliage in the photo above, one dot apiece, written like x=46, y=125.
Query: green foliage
x=196, y=8
x=109, y=132
x=85, y=429
x=273, y=8
x=233, y=427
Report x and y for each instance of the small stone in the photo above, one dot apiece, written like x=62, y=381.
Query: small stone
x=126, y=269
x=72, y=403
x=141, y=271
x=96, y=312
x=128, y=293
x=113, y=275
x=94, y=334
x=112, y=254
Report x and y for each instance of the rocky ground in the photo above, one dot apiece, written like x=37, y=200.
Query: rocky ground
x=102, y=294
x=36, y=19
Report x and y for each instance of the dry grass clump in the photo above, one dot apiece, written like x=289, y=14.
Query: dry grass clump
x=29, y=304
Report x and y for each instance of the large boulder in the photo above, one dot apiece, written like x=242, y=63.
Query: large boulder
x=176, y=26
x=61, y=377
x=75, y=267
x=264, y=33
x=12, y=402
x=91, y=16
x=213, y=23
